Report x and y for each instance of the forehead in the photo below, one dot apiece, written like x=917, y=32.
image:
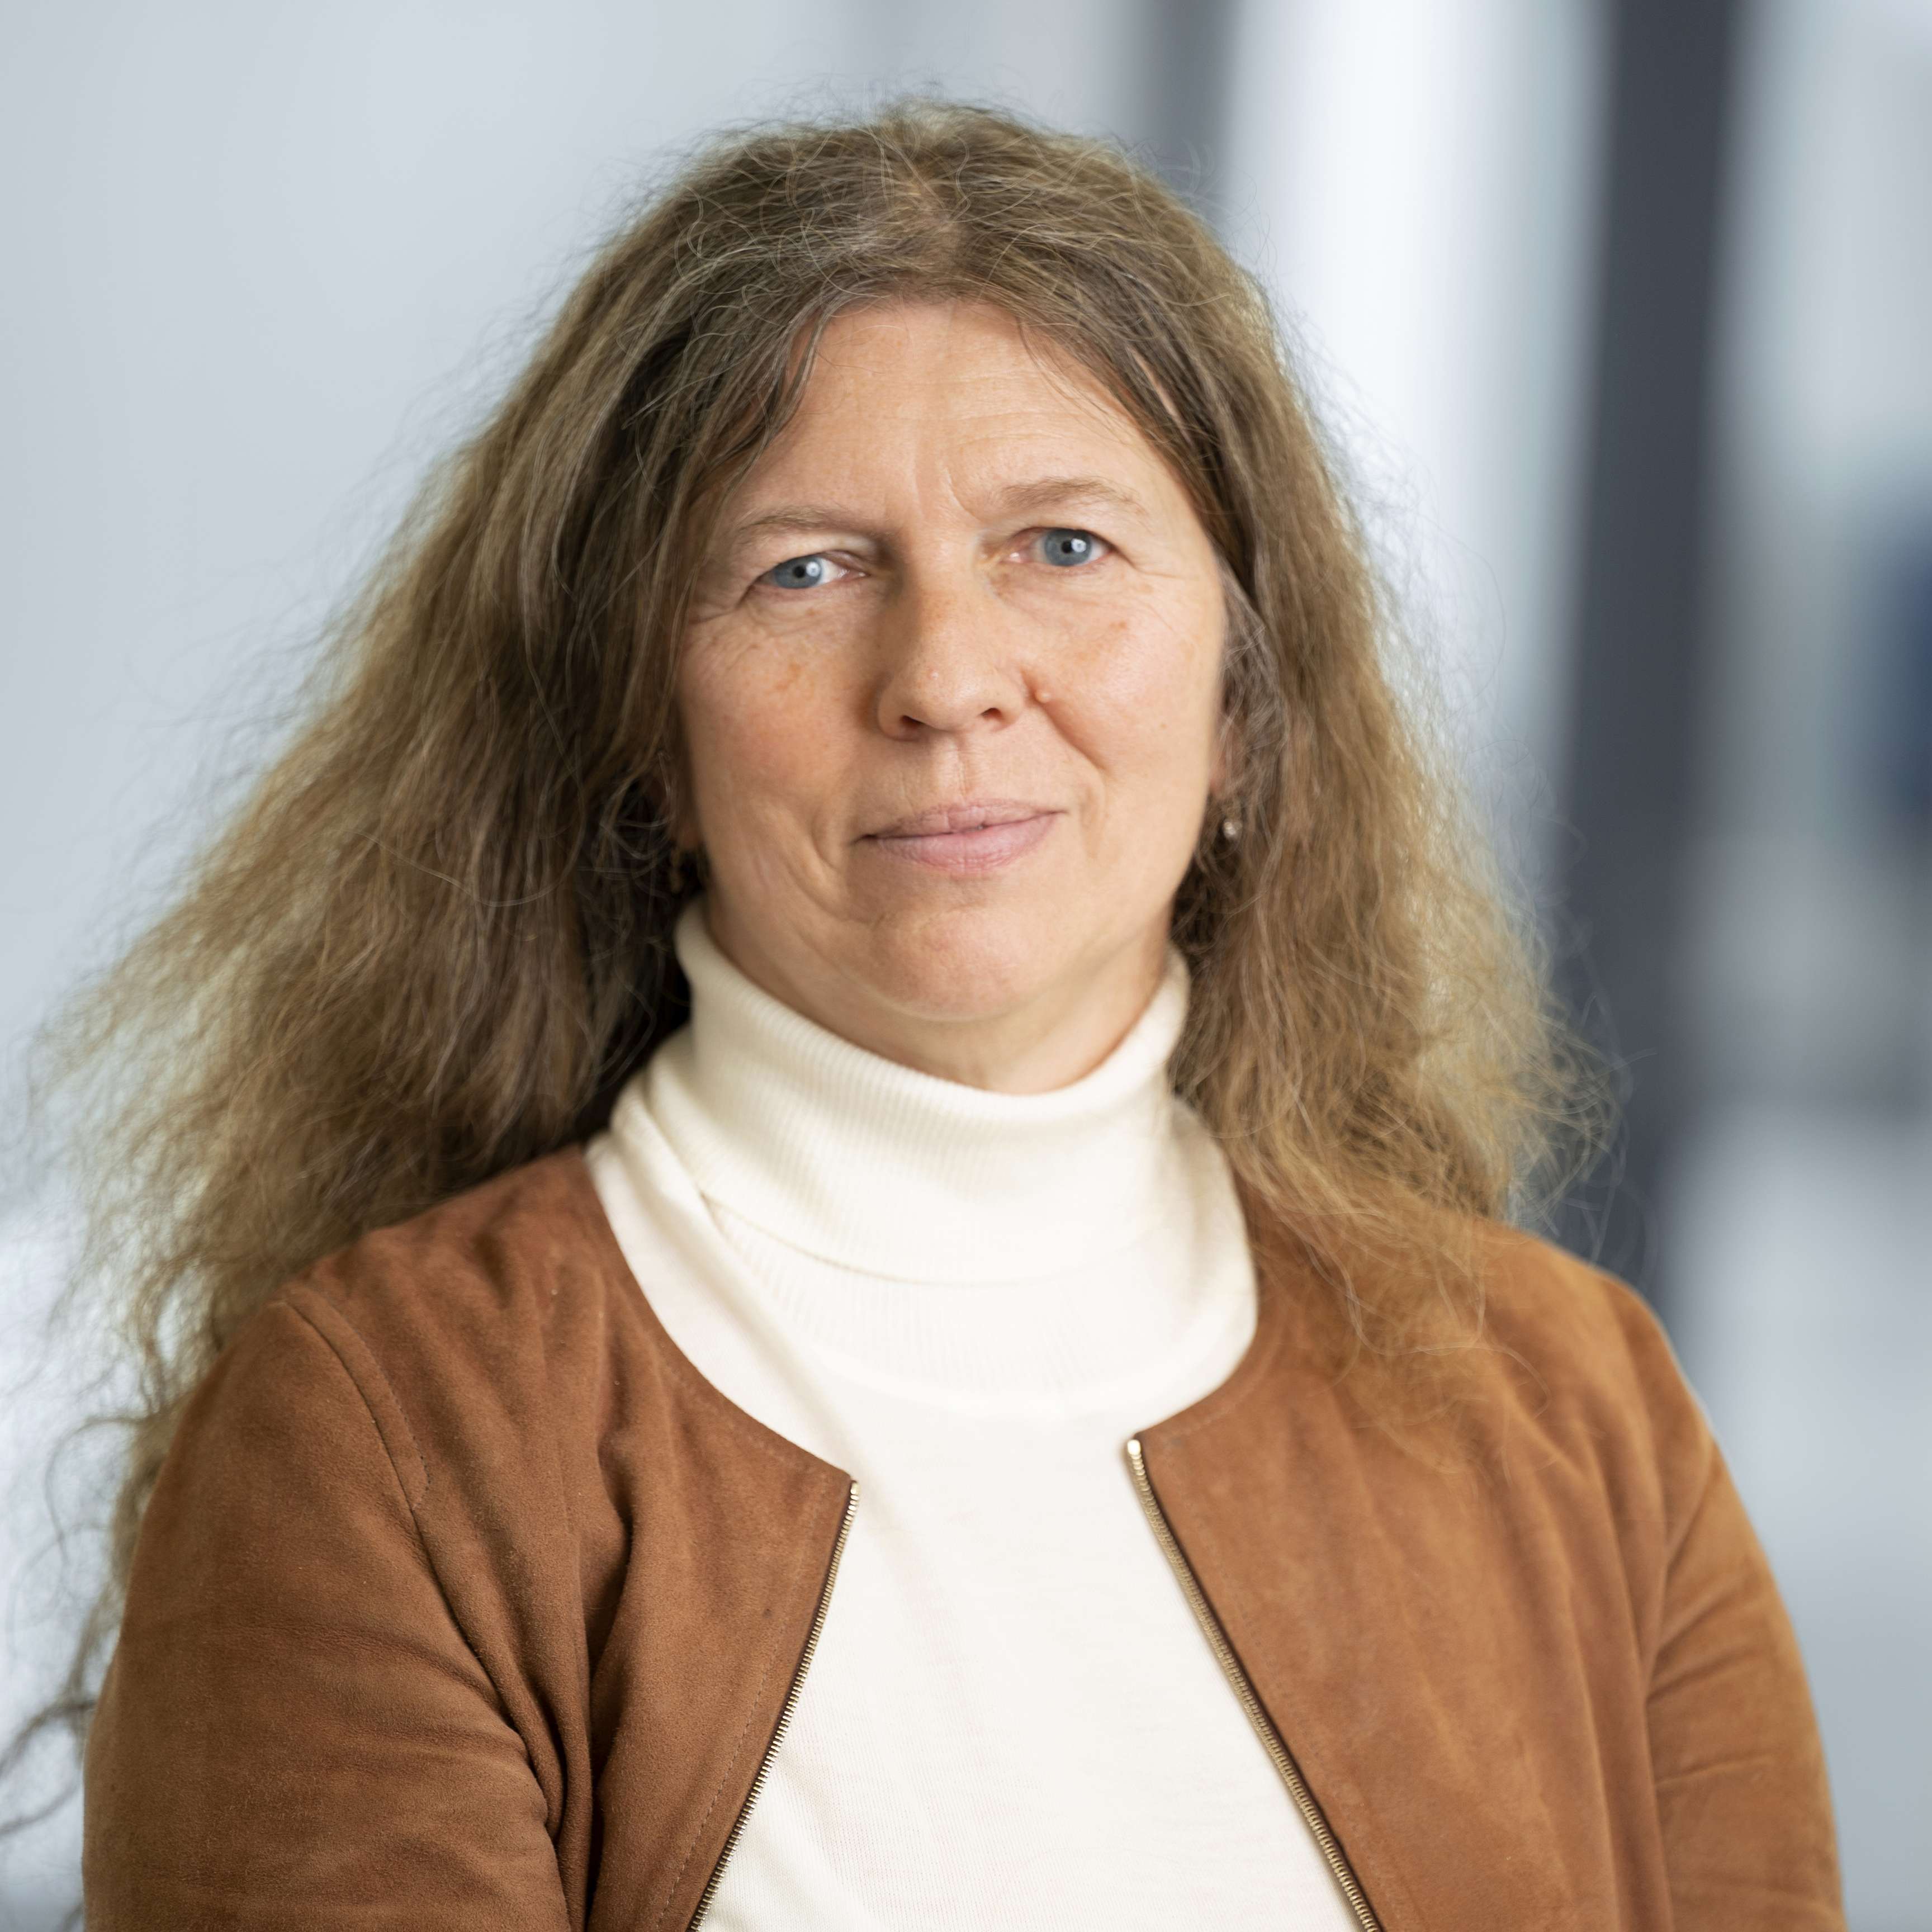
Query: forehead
x=912, y=391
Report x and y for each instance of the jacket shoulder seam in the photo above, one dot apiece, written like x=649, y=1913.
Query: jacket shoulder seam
x=293, y=1299
x=380, y=1400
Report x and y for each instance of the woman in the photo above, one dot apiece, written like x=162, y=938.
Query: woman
x=835, y=1151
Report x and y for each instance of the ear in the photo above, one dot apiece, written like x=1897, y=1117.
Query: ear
x=672, y=797
x=1227, y=755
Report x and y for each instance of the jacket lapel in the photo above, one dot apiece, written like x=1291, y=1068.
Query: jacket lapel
x=1414, y=1644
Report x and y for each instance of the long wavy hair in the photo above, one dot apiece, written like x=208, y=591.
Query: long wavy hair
x=435, y=940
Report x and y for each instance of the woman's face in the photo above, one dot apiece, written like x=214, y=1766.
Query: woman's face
x=950, y=692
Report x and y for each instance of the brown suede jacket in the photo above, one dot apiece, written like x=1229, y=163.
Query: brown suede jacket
x=464, y=1602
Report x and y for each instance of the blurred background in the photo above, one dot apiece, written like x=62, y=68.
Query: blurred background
x=1621, y=311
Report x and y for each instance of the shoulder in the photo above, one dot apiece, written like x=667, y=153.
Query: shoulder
x=1583, y=1320
x=1584, y=1372
x=1561, y=1402
x=1587, y=1333
x=484, y=1332
x=506, y=1249
x=1544, y=1334
x=506, y=1351
x=428, y=1380
x=524, y=1262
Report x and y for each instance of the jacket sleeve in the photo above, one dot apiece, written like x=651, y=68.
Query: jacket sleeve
x=1741, y=1795
x=293, y=1732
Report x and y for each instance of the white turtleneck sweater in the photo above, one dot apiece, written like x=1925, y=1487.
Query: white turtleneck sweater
x=969, y=1301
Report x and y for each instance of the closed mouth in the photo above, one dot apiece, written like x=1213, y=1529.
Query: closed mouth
x=973, y=816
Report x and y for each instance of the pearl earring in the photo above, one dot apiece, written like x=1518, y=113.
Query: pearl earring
x=1231, y=828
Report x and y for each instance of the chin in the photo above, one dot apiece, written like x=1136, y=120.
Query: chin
x=965, y=963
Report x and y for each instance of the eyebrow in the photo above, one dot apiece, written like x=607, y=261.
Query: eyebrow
x=1044, y=493
x=1084, y=492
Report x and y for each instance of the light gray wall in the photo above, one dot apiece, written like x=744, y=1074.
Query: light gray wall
x=261, y=263
x=1418, y=179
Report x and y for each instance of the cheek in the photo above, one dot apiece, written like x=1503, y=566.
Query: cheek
x=756, y=725
x=1145, y=702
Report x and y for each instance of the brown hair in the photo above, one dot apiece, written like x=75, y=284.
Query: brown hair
x=435, y=939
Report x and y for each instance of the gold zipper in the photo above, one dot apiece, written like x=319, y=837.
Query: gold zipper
x=785, y=1715
x=1231, y=1667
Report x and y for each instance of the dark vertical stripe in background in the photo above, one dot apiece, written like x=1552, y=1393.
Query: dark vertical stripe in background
x=1637, y=729
x=1190, y=52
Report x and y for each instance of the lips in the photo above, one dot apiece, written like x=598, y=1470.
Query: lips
x=978, y=837
x=970, y=817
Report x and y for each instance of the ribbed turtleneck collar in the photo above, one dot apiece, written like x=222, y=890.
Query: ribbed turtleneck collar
x=860, y=1161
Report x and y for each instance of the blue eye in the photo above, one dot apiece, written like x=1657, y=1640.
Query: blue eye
x=1066, y=547
x=800, y=573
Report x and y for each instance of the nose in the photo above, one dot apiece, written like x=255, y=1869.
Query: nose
x=950, y=658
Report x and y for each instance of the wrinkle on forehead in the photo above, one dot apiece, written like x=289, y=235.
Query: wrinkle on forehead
x=1076, y=386
x=987, y=409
